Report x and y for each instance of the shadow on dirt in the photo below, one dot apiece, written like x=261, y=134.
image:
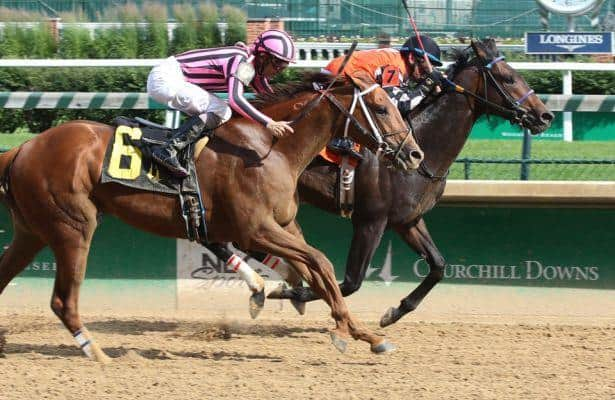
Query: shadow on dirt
x=123, y=354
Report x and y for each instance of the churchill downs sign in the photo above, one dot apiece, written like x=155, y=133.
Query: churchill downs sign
x=527, y=270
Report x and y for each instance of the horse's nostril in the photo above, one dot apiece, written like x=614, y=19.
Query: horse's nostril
x=547, y=117
x=416, y=155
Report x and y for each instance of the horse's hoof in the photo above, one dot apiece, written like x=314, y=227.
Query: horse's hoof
x=383, y=348
x=390, y=317
x=257, y=302
x=339, y=343
x=299, y=306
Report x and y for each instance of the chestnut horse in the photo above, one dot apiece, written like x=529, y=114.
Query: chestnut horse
x=52, y=188
x=387, y=199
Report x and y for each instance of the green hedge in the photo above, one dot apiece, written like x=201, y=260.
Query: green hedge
x=197, y=28
x=134, y=80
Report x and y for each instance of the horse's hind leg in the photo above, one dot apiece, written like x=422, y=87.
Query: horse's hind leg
x=70, y=244
x=365, y=240
x=417, y=237
x=18, y=255
x=317, y=271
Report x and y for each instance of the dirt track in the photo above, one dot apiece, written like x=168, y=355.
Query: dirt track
x=194, y=356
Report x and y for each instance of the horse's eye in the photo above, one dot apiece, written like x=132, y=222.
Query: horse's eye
x=508, y=79
x=382, y=110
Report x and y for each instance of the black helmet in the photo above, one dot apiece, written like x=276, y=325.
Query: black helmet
x=431, y=47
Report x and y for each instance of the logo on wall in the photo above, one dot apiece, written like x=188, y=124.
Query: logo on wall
x=213, y=268
x=386, y=271
x=569, y=43
x=199, y=267
x=529, y=270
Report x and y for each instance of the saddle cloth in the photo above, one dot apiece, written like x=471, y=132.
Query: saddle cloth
x=128, y=159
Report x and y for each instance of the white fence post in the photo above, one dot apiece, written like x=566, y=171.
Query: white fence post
x=567, y=90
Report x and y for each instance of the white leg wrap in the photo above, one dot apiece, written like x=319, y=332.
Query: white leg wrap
x=279, y=265
x=252, y=279
x=84, y=343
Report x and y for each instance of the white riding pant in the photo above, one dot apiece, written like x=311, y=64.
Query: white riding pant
x=166, y=84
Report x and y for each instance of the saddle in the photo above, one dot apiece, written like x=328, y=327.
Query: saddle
x=345, y=154
x=128, y=162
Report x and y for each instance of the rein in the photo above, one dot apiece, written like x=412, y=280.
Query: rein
x=381, y=147
x=423, y=170
x=375, y=135
x=316, y=100
x=514, y=112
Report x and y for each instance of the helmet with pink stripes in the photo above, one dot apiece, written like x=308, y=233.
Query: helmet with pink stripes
x=277, y=43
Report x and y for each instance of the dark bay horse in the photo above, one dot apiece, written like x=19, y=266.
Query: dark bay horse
x=388, y=199
x=52, y=188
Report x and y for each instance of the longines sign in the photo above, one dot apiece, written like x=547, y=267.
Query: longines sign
x=569, y=43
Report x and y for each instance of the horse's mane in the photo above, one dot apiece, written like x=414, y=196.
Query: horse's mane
x=288, y=91
x=462, y=60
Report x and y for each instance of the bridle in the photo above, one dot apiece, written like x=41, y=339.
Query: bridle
x=520, y=113
x=513, y=110
x=377, y=136
x=382, y=148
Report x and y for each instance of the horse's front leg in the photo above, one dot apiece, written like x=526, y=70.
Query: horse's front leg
x=255, y=283
x=317, y=271
x=418, y=237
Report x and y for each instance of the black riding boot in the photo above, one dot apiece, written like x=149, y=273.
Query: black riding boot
x=189, y=132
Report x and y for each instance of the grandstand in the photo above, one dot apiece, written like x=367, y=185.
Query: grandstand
x=365, y=18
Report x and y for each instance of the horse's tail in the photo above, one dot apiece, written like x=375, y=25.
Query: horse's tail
x=6, y=161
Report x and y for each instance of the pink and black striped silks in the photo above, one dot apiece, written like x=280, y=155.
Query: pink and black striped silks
x=214, y=70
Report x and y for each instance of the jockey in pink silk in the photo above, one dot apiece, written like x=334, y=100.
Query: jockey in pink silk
x=185, y=82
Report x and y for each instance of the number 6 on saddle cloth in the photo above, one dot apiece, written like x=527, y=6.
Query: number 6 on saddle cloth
x=128, y=161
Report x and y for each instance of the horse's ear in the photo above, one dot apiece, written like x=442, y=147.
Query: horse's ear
x=480, y=49
x=485, y=49
x=490, y=44
x=362, y=79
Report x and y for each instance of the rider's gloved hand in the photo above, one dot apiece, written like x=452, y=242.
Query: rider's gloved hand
x=279, y=129
x=433, y=80
x=436, y=76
